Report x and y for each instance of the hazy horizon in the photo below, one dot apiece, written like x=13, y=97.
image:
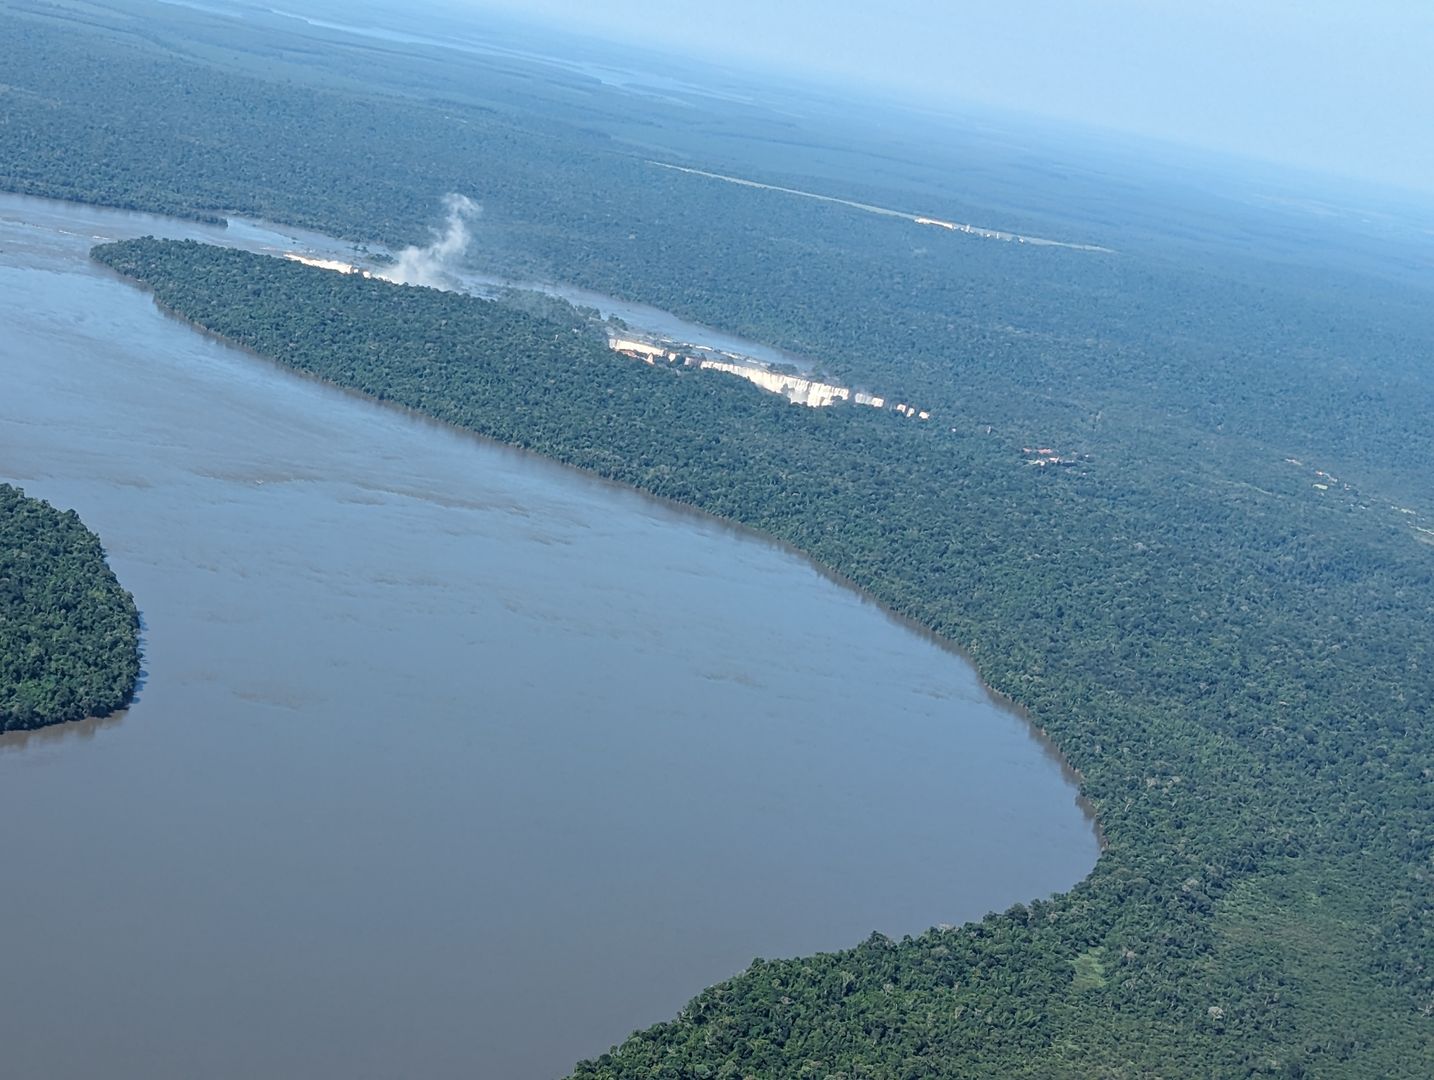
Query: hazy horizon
x=1312, y=87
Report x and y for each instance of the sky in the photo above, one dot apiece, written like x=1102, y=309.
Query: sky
x=1336, y=86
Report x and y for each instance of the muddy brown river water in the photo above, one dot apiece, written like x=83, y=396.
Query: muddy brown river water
x=448, y=761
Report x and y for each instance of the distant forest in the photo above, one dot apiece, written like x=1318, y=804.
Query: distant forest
x=1180, y=343
x=69, y=634
x=1236, y=672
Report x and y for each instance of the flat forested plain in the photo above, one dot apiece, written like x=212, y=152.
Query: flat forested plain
x=1222, y=614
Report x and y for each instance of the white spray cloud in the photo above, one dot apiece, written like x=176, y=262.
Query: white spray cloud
x=435, y=264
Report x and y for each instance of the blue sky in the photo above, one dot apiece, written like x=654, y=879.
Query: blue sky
x=1338, y=86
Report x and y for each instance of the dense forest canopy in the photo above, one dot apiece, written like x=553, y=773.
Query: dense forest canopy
x=69, y=634
x=1235, y=670
x=1224, y=615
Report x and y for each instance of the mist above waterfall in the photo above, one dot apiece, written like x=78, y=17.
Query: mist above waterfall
x=435, y=264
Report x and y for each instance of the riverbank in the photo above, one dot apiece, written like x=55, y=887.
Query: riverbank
x=529, y=744
x=873, y=497
x=728, y=521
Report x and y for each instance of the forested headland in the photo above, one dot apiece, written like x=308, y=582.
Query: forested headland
x=1237, y=669
x=69, y=633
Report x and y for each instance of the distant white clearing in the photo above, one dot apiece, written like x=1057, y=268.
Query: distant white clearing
x=953, y=226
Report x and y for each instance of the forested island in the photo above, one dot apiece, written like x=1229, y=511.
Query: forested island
x=1234, y=669
x=69, y=633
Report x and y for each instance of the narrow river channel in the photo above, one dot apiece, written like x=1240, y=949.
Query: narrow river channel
x=448, y=761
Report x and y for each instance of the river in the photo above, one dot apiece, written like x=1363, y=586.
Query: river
x=448, y=761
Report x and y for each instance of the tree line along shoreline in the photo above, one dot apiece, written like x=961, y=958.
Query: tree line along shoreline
x=69, y=632
x=805, y=477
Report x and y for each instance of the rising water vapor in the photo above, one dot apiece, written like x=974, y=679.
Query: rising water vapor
x=435, y=264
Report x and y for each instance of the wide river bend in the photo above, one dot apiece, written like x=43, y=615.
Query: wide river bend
x=449, y=761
